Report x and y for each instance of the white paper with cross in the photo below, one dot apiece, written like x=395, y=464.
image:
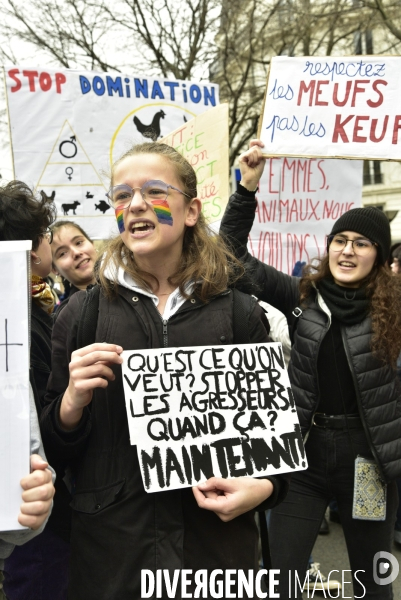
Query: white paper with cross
x=14, y=378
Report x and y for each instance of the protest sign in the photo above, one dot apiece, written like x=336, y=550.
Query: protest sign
x=225, y=411
x=203, y=141
x=67, y=128
x=298, y=202
x=333, y=107
x=14, y=379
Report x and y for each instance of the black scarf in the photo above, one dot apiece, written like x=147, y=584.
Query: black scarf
x=349, y=305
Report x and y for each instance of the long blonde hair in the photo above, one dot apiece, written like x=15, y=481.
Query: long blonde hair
x=205, y=259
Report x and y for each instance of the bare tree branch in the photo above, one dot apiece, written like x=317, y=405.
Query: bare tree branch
x=229, y=42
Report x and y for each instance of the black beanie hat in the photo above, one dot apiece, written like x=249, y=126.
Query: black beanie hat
x=371, y=222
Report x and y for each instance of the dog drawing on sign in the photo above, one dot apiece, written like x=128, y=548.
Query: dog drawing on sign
x=67, y=207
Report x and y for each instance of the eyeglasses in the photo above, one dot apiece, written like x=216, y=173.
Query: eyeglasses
x=48, y=234
x=120, y=196
x=361, y=246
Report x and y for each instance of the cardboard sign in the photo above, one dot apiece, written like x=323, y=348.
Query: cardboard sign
x=14, y=379
x=68, y=127
x=333, y=107
x=298, y=202
x=225, y=411
x=204, y=143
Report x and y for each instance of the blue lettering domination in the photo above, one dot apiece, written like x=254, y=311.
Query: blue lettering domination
x=195, y=94
x=209, y=95
x=157, y=91
x=85, y=84
x=115, y=85
x=125, y=87
x=141, y=88
x=172, y=85
x=98, y=86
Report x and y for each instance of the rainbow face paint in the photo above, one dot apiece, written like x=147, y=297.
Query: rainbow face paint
x=163, y=212
x=120, y=218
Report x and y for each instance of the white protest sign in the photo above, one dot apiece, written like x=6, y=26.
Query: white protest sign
x=67, y=128
x=333, y=107
x=298, y=202
x=225, y=411
x=204, y=142
x=14, y=379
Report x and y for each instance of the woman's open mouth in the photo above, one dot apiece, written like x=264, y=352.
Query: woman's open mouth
x=141, y=228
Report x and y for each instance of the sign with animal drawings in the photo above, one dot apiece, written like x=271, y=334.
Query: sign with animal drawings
x=67, y=128
x=299, y=199
x=333, y=107
x=14, y=378
x=204, y=143
x=225, y=411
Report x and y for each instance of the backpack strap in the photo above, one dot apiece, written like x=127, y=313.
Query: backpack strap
x=243, y=305
x=293, y=323
x=88, y=318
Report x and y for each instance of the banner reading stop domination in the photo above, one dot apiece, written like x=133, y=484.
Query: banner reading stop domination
x=67, y=127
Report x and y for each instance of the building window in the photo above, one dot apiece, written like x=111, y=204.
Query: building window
x=372, y=172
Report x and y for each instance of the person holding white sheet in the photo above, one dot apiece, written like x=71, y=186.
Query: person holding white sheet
x=37, y=570
x=345, y=315
x=163, y=283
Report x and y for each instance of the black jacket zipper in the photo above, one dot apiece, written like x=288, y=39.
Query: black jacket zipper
x=181, y=310
x=317, y=377
x=165, y=335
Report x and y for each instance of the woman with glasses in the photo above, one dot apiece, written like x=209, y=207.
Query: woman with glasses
x=346, y=339
x=37, y=570
x=163, y=283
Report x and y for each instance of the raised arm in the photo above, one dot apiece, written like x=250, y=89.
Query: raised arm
x=261, y=280
x=240, y=213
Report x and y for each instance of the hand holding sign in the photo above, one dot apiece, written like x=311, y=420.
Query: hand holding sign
x=89, y=369
x=229, y=498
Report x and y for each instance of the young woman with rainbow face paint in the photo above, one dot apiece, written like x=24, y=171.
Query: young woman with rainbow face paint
x=164, y=282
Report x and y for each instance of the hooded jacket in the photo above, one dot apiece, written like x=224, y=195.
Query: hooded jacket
x=377, y=388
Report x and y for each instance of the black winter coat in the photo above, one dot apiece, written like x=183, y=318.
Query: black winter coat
x=378, y=390
x=118, y=529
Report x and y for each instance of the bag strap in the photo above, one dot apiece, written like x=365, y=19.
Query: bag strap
x=88, y=318
x=293, y=323
x=243, y=305
x=242, y=308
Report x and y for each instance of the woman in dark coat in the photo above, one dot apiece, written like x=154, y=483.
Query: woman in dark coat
x=345, y=316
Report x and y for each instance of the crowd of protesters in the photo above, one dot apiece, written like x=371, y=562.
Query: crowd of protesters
x=168, y=280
